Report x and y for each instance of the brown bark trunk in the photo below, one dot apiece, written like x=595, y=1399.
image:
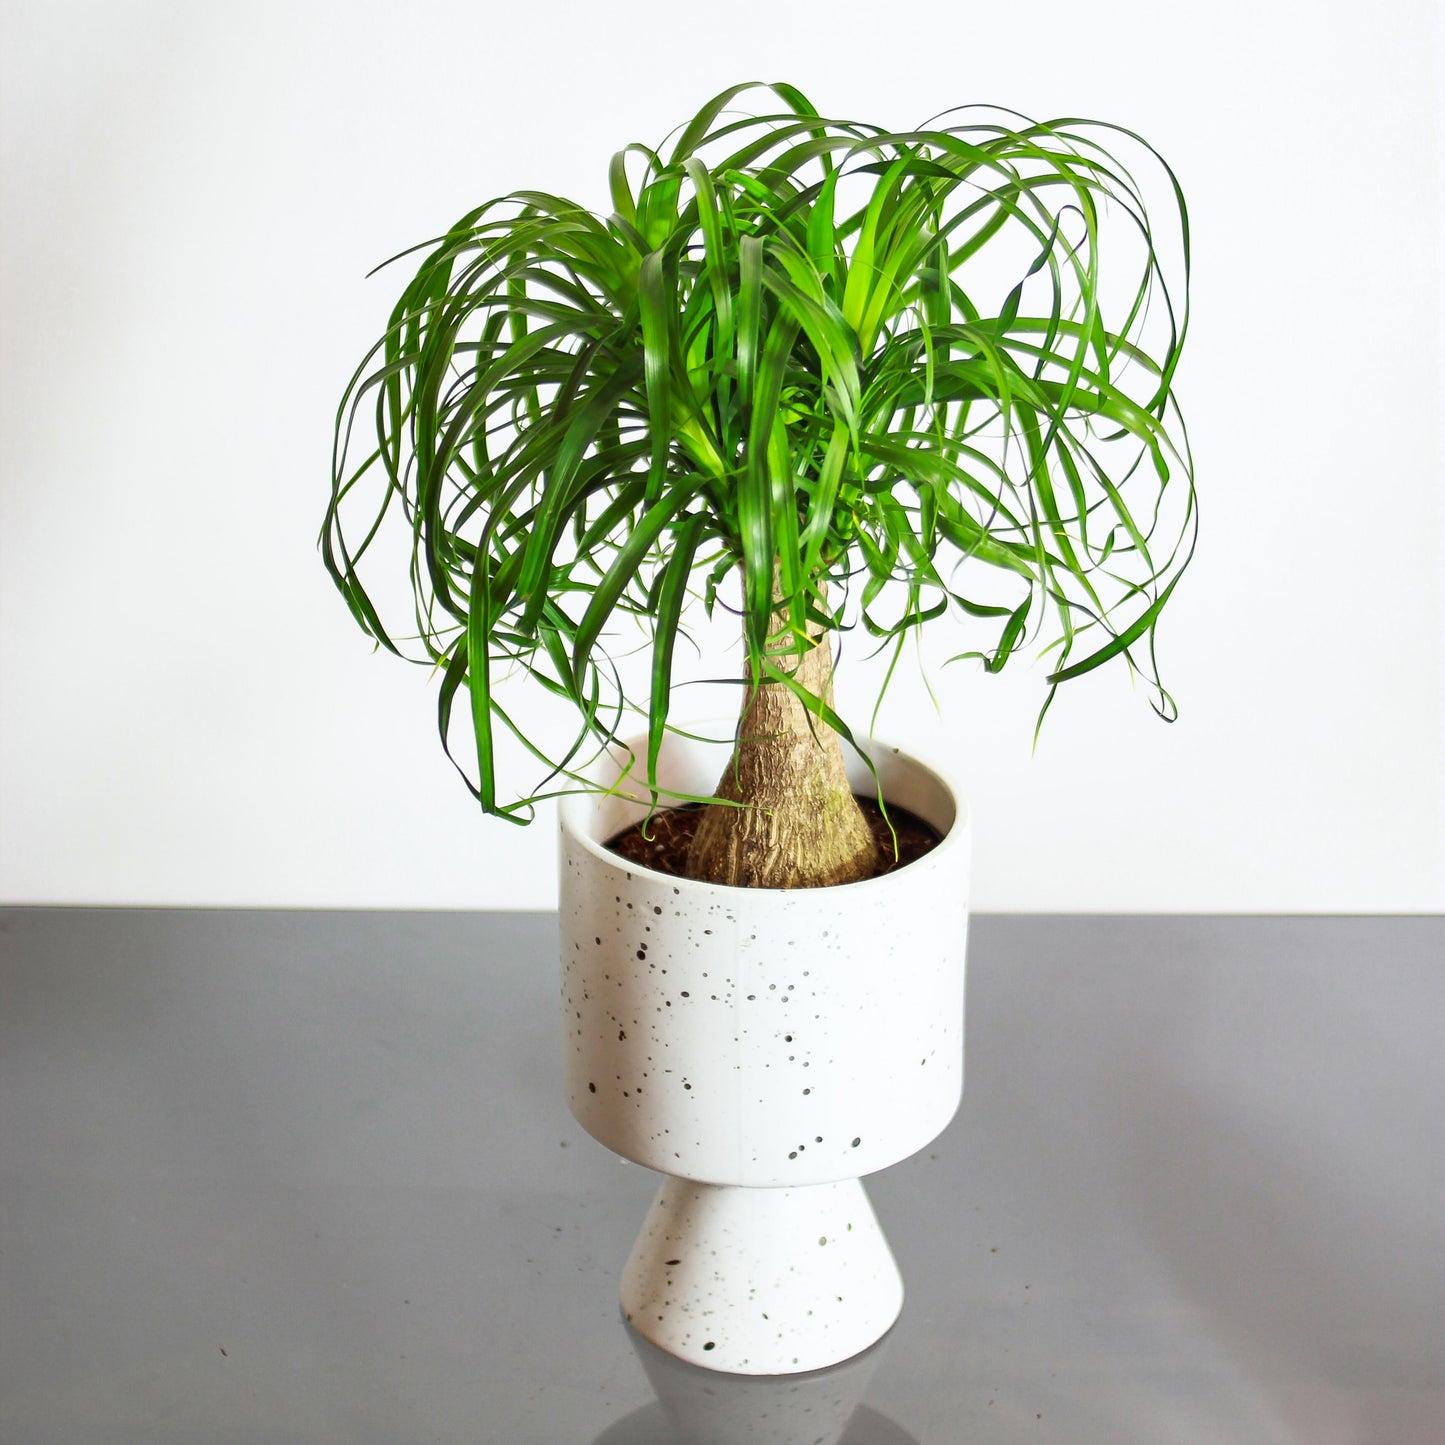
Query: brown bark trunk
x=794, y=822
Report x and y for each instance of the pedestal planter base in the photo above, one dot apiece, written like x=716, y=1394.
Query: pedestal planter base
x=761, y=1281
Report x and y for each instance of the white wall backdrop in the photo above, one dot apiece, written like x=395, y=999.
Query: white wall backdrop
x=194, y=193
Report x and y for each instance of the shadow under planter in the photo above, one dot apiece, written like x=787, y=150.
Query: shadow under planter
x=765, y=1049
x=702, y=1407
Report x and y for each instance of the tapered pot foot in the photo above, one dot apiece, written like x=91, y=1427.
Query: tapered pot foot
x=762, y=1281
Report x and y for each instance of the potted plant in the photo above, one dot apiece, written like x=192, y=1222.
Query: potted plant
x=838, y=379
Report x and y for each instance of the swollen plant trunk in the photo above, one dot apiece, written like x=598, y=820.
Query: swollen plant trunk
x=787, y=817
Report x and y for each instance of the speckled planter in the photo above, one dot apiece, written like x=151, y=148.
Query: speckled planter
x=765, y=1048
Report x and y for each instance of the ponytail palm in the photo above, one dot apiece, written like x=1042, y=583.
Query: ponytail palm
x=883, y=376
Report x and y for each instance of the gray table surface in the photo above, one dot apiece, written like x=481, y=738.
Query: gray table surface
x=279, y=1176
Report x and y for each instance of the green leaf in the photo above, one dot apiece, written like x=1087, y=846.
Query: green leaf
x=619, y=575
x=670, y=597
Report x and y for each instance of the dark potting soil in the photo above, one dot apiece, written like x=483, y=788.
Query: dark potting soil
x=662, y=842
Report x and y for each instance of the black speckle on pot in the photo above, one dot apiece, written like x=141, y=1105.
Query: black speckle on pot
x=710, y=1345
x=807, y=1091
x=856, y=1143
x=642, y=954
x=822, y=1239
x=793, y=1155
x=686, y=994
x=591, y=1088
x=787, y=1038
x=621, y=1036
x=657, y=907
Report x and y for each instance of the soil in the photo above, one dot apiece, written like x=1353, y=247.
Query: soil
x=662, y=841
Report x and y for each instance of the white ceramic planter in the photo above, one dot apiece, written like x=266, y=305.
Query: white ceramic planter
x=765, y=1049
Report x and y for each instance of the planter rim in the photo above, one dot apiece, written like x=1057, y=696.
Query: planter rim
x=576, y=810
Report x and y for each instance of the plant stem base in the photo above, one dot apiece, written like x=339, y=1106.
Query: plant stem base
x=761, y=1281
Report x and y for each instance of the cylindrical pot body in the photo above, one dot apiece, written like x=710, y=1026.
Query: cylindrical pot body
x=762, y=1037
